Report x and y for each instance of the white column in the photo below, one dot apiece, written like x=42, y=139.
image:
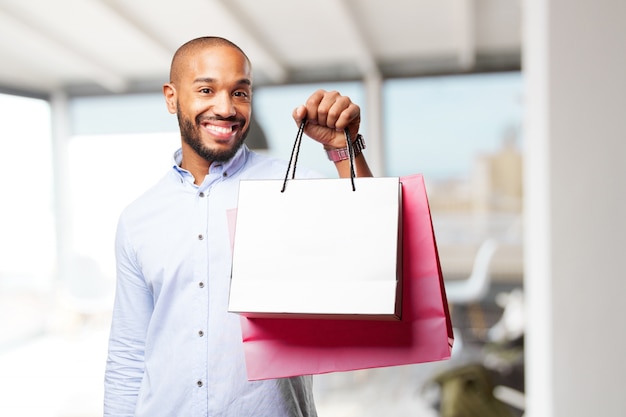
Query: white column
x=575, y=212
x=60, y=136
x=374, y=136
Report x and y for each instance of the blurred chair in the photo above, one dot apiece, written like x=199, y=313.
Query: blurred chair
x=473, y=289
x=476, y=286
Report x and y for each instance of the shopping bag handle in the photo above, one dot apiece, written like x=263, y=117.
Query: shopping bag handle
x=293, y=160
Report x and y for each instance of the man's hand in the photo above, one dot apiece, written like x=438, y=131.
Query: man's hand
x=328, y=113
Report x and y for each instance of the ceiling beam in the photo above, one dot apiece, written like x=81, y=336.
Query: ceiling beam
x=99, y=72
x=275, y=70
x=164, y=44
x=467, y=34
x=366, y=61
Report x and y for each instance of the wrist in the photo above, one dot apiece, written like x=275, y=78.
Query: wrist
x=342, y=154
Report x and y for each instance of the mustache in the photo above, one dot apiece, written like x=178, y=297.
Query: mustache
x=232, y=119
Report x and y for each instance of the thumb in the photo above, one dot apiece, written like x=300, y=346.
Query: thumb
x=299, y=113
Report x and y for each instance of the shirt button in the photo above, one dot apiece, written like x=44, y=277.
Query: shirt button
x=200, y=333
x=201, y=195
x=225, y=174
x=201, y=284
x=200, y=237
x=199, y=383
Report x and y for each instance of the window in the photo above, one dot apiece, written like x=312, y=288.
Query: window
x=27, y=234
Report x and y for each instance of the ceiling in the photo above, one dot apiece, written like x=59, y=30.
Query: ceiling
x=85, y=47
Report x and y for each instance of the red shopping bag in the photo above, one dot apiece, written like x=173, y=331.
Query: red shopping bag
x=279, y=347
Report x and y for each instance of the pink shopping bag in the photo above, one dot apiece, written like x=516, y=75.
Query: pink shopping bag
x=279, y=347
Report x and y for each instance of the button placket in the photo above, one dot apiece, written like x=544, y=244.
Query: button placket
x=198, y=328
x=202, y=195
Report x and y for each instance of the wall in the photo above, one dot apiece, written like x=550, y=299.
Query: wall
x=574, y=66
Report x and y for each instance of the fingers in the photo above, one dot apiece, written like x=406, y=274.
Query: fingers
x=328, y=109
x=331, y=109
x=328, y=113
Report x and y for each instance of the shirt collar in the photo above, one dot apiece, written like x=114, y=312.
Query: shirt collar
x=223, y=169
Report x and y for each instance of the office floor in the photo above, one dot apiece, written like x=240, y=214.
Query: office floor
x=60, y=373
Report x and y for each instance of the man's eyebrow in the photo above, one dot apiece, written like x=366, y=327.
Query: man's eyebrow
x=245, y=81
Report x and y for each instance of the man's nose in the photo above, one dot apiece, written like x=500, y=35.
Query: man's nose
x=223, y=105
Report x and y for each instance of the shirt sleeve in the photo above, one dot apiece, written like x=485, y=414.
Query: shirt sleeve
x=131, y=316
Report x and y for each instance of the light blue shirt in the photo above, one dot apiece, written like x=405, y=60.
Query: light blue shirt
x=174, y=349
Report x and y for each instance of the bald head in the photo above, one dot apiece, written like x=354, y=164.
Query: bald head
x=191, y=48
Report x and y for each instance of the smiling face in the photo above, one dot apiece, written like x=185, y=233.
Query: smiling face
x=210, y=92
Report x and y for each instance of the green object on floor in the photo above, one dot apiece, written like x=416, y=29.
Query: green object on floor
x=467, y=391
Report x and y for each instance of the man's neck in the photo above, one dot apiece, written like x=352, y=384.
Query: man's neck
x=197, y=166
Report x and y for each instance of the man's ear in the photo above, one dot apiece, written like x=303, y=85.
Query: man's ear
x=169, y=91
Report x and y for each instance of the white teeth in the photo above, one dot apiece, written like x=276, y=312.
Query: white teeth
x=219, y=129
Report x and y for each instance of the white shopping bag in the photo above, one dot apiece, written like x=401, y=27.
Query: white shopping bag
x=318, y=247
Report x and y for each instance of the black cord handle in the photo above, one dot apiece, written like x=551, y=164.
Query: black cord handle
x=293, y=160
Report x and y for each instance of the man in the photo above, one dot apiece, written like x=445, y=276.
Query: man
x=174, y=349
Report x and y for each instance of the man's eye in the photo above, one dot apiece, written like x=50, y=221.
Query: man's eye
x=241, y=94
x=205, y=90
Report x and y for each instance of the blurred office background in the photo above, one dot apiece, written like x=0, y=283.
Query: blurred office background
x=512, y=110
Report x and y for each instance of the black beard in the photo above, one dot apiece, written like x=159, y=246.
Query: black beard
x=191, y=135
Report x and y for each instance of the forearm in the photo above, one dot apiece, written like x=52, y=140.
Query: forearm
x=125, y=363
x=131, y=316
x=126, y=355
x=121, y=388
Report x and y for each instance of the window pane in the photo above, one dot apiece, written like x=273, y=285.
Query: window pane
x=463, y=133
x=106, y=173
x=27, y=240
x=438, y=125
